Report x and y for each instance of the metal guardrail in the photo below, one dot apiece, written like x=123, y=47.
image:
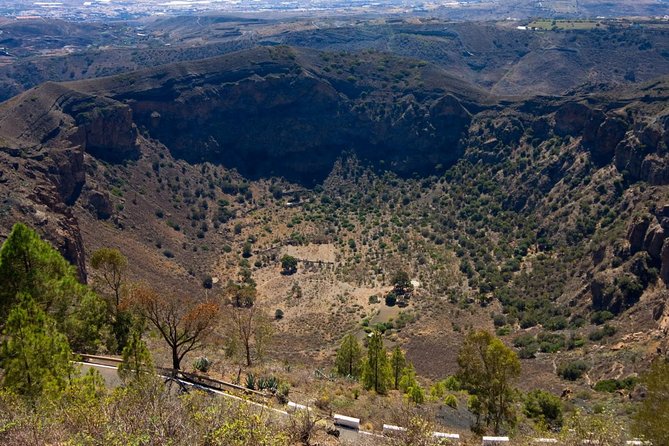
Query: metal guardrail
x=194, y=378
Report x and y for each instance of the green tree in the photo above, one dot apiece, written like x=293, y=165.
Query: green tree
x=376, y=373
x=349, y=357
x=410, y=385
x=29, y=265
x=397, y=363
x=288, y=264
x=652, y=419
x=487, y=369
x=35, y=357
x=111, y=266
x=402, y=282
x=137, y=361
x=545, y=408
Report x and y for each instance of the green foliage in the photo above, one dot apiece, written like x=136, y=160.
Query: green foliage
x=601, y=333
x=35, y=357
x=451, y=401
x=573, y=370
x=599, y=317
x=137, y=361
x=30, y=266
x=250, y=381
x=349, y=357
x=111, y=266
x=651, y=422
x=452, y=383
x=410, y=385
x=391, y=299
x=288, y=264
x=202, y=364
x=376, y=372
x=544, y=407
x=402, y=282
x=612, y=385
x=487, y=368
x=602, y=429
x=416, y=394
x=397, y=363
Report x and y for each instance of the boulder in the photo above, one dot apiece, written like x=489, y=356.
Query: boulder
x=100, y=204
x=654, y=241
x=655, y=170
x=636, y=234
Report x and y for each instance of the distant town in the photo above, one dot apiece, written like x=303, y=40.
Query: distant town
x=133, y=9
x=105, y=10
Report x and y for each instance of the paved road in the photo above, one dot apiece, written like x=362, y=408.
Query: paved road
x=108, y=372
x=348, y=436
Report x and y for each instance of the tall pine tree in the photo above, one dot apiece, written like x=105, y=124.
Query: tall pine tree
x=35, y=357
x=376, y=371
x=397, y=363
x=30, y=266
x=349, y=357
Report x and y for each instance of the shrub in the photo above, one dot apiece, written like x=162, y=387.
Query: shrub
x=208, y=282
x=544, y=407
x=278, y=314
x=288, y=264
x=452, y=383
x=282, y=392
x=202, y=364
x=611, y=385
x=451, y=401
x=391, y=299
x=599, y=317
x=416, y=394
x=572, y=371
x=599, y=334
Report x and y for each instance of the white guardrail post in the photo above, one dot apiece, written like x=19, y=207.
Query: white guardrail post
x=494, y=441
x=443, y=436
x=350, y=422
x=294, y=407
x=389, y=429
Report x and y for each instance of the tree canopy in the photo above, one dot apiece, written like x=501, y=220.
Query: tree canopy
x=487, y=370
x=35, y=357
x=376, y=372
x=30, y=266
x=182, y=322
x=111, y=266
x=349, y=357
x=651, y=422
x=288, y=264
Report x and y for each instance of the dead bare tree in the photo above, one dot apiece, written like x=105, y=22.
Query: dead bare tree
x=184, y=323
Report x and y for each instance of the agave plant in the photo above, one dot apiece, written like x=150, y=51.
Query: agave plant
x=202, y=364
x=251, y=381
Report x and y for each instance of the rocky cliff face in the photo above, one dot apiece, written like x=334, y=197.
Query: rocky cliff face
x=287, y=113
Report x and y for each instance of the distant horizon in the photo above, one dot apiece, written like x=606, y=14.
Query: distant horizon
x=98, y=10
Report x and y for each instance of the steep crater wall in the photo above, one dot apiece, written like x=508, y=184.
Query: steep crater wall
x=296, y=126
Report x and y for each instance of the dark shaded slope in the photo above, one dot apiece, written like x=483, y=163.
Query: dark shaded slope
x=267, y=111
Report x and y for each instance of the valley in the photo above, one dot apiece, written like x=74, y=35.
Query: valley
x=427, y=178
